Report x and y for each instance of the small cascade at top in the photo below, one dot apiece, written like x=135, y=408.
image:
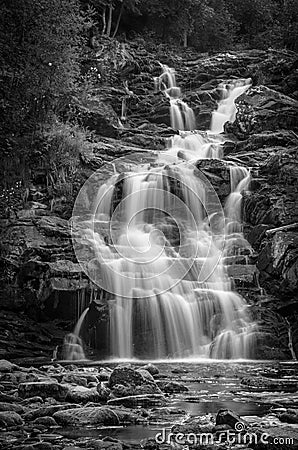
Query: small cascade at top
x=182, y=116
x=226, y=111
x=199, y=145
x=165, y=259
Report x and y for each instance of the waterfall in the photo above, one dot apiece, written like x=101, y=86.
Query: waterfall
x=226, y=110
x=73, y=344
x=236, y=244
x=182, y=116
x=239, y=179
x=164, y=259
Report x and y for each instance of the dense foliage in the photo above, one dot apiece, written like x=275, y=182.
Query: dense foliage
x=41, y=40
x=204, y=24
x=42, y=43
x=40, y=47
x=218, y=24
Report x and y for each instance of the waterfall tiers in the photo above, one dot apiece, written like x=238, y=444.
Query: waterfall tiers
x=159, y=241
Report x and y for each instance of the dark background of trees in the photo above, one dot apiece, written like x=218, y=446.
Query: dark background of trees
x=42, y=43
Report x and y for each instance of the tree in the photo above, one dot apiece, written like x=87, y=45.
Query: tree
x=206, y=24
x=40, y=49
x=253, y=16
x=110, y=12
x=214, y=27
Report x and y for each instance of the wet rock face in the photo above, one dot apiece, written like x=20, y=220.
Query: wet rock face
x=39, y=259
x=218, y=173
x=278, y=260
x=261, y=109
x=99, y=116
x=272, y=340
x=265, y=128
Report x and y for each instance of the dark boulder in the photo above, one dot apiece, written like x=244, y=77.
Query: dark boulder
x=262, y=109
x=228, y=417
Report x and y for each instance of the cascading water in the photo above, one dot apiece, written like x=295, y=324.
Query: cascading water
x=164, y=260
x=226, y=110
x=182, y=116
x=73, y=345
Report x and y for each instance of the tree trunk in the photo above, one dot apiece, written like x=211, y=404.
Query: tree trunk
x=185, y=39
x=104, y=22
x=108, y=33
x=118, y=20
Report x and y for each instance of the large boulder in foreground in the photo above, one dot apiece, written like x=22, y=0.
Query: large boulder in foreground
x=126, y=381
x=87, y=416
x=81, y=394
x=95, y=415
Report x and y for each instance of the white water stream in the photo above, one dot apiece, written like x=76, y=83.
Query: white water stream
x=165, y=261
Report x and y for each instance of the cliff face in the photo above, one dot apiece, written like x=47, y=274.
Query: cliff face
x=40, y=276
x=266, y=124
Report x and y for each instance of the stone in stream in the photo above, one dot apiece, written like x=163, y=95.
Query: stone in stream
x=228, y=417
x=7, y=398
x=7, y=366
x=126, y=381
x=11, y=407
x=46, y=411
x=35, y=399
x=171, y=387
x=103, y=392
x=97, y=415
x=269, y=384
x=73, y=378
x=104, y=374
x=81, y=394
x=146, y=374
x=153, y=370
x=201, y=424
x=289, y=416
x=47, y=421
x=10, y=419
x=21, y=377
x=43, y=389
x=133, y=401
x=106, y=445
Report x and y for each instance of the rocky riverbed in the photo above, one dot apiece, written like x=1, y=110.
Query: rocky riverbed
x=99, y=405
